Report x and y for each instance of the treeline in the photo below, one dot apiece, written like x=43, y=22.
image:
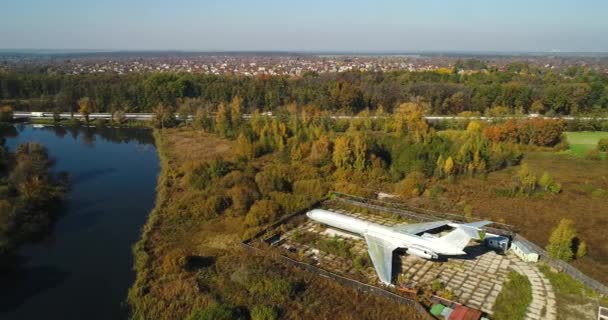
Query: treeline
x=362, y=154
x=515, y=90
x=30, y=197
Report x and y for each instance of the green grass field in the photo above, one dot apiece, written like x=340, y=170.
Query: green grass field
x=580, y=142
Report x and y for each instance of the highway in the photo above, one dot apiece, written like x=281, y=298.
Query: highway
x=150, y=116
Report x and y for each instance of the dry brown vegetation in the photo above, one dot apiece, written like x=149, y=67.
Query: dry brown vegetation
x=189, y=259
x=584, y=199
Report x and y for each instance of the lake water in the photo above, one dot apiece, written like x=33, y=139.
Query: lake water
x=84, y=268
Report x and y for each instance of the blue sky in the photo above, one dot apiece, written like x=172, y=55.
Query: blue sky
x=306, y=25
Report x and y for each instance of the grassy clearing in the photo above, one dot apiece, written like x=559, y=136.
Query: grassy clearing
x=513, y=299
x=188, y=261
x=580, y=142
x=573, y=300
x=583, y=199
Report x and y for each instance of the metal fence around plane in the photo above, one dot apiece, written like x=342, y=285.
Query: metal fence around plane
x=565, y=267
x=416, y=214
x=428, y=215
x=247, y=245
x=347, y=281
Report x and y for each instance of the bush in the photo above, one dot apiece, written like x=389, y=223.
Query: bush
x=272, y=179
x=361, y=262
x=99, y=122
x=335, y=246
x=201, y=177
x=592, y=154
x=262, y=212
x=514, y=298
x=216, y=312
x=602, y=145
x=271, y=289
x=264, y=313
x=546, y=182
x=6, y=114
x=313, y=188
x=413, y=185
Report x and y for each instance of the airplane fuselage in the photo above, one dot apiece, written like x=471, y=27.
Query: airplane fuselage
x=417, y=245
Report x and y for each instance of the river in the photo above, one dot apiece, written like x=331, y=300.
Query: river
x=84, y=268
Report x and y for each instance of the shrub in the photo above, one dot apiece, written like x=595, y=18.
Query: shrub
x=272, y=179
x=271, y=289
x=361, y=262
x=514, y=298
x=561, y=240
x=602, y=145
x=581, y=251
x=290, y=202
x=262, y=212
x=313, y=188
x=546, y=182
x=201, y=177
x=413, y=185
x=335, y=246
x=215, y=312
x=99, y=122
x=592, y=154
x=6, y=114
x=264, y=313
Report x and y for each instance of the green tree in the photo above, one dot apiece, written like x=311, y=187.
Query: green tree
x=118, y=116
x=6, y=114
x=163, y=116
x=202, y=120
x=602, y=145
x=184, y=112
x=56, y=115
x=561, y=240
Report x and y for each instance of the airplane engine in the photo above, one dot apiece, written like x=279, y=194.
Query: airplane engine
x=422, y=253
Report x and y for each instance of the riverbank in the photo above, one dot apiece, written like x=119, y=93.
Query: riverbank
x=82, y=269
x=189, y=259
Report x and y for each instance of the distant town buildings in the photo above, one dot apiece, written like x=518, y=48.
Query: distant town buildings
x=273, y=63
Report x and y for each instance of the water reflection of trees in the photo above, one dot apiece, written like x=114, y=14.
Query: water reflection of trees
x=115, y=135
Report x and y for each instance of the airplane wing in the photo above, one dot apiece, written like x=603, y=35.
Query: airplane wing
x=416, y=228
x=478, y=224
x=381, y=253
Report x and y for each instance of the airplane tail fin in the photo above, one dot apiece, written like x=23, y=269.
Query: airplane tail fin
x=460, y=237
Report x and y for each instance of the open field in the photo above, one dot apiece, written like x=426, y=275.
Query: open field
x=189, y=259
x=584, y=199
x=580, y=142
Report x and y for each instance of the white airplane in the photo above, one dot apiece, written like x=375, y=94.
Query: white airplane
x=382, y=240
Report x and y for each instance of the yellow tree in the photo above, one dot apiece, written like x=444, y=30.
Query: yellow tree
x=360, y=150
x=560, y=242
x=236, y=112
x=448, y=167
x=86, y=107
x=223, y=121
x=245, y=148
x=343, y=154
